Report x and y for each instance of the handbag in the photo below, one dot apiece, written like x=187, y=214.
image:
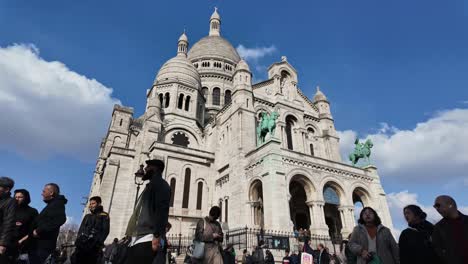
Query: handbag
x=199, y=246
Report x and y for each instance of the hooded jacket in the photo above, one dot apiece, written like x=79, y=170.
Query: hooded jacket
x=7, y=219
x=49, y=221
x=387, y=248
x=24, y=218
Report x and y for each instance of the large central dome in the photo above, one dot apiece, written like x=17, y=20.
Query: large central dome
x=213, y=47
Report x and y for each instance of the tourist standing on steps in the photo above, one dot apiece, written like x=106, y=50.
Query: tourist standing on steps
x=323, y=255
x=370, y=239
x=209, y=231
x=47, y=225
x=415, y=241
x=450, y=236
x=24, y=219
x=92, y=233
x=147, y=225
x=7, y=220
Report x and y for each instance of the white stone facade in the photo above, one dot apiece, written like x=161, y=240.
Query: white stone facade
x=201, y=118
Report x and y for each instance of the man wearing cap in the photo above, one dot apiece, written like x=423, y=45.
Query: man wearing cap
x=7, y=221
x=147, y=225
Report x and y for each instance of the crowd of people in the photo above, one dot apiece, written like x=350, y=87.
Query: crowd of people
x=29, y=236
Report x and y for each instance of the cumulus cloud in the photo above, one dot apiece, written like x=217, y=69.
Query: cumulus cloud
x=253, y=54
x=398, y=201
x=49, y=109
x=436, y=150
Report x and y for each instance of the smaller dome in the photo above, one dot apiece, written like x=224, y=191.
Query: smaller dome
x=179, y=69
x=183, y=37
x=242, y=65
x=215, y=14
x=319, y=96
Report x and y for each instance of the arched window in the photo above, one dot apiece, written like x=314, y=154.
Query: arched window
x=227, y=97
x=180, y=103
x=330, y=195
x=161, y=99
x=312, y=149
x=187, y=103
x=205, y=93
x=226, y=210
x=166, y=100
x=199, y=195
x=185, y=199
x=216, y=96
x=173, y=186
x=180, y=139
x=290, y=120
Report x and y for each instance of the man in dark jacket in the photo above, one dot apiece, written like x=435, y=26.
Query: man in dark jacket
x=24, y=218
x=92, y=233
x=323, y=256
x=7, y=219
x=46, y=227
x=450, y=235
x=147, y=225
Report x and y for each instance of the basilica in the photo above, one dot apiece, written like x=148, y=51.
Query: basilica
x=205, y=118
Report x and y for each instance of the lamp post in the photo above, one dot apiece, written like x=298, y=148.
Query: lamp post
x=138, y=182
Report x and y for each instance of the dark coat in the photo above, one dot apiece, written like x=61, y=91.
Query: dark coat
x=48, y=223
x=447, y=248
x=228, y=257
x=324, y=258
x=415, y=244
x=155, y=208
x=269, y=259
x=7, y=220
x=96, y=223
x=24, y=218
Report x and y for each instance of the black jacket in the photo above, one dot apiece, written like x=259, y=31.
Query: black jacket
x=24, y=218
x=155, y=208
x=48, y=223
x=324, y=258
x=415, y=244
x=7, y=220
x=96, y=223
x=447, y=248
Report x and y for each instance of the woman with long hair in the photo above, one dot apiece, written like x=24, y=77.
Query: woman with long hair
x=415, y=241
x=371, y=240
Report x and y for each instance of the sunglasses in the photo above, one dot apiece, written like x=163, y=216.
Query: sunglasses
x=437, y=205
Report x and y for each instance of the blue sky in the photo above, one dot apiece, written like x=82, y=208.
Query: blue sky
x=393, y=71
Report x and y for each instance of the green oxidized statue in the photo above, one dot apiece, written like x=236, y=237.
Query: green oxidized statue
x=361, y=150
x=267, y=124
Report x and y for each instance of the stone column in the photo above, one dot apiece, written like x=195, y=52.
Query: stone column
x=346, y=225
x=317, y=217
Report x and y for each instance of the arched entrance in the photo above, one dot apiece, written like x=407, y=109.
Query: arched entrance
x=360, y=200
x=300, y=190
x=256, y=200
x=332, y=215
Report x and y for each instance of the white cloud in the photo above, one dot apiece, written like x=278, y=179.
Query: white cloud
x=253, y=54
x=435, y=150
x=48, y=109
x=398, y=201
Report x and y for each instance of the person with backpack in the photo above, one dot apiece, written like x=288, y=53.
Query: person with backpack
x=415, y=241
x=92, y=233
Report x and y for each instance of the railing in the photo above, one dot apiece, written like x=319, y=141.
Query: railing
x=247, y=238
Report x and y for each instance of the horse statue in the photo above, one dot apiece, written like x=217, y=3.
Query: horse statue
x=267, y=124
x=361, y=150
